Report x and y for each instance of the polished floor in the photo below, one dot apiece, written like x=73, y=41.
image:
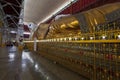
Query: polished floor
x=25, y=65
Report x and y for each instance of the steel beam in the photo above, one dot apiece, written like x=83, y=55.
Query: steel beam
x=10, y=3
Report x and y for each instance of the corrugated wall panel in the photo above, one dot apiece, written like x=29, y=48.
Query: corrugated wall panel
x=77, y=6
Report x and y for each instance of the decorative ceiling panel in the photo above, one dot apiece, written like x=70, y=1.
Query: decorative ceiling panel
x=38, y=10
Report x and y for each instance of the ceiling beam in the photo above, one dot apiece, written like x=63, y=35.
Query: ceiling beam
x=5, y=23
x=15, y=10
x=18, y=2
x=11, y=4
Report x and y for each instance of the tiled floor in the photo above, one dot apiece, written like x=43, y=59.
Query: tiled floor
x=30, y=66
